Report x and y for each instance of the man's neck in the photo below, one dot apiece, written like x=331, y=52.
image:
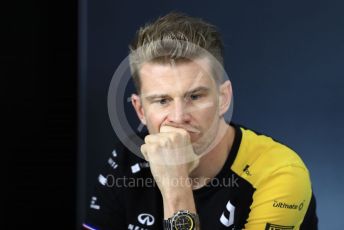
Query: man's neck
x=212, y=162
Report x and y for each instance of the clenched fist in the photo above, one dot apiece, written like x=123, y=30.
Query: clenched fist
x=171, y=157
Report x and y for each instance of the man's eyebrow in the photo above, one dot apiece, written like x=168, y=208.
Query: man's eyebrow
x=195, y=90
x=198, y=89
x=155, y=96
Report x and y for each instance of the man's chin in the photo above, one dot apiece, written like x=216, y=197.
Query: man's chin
x=200, y=147
x=195, y=137
x=203, y=145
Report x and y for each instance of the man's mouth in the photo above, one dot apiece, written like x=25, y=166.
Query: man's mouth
x=188, y=128
x=192, y=130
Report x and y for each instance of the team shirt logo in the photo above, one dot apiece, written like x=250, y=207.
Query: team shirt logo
x=227, y=217
x=146, y=219
x=277, y=227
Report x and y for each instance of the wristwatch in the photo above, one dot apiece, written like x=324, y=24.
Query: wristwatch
x=182, y=220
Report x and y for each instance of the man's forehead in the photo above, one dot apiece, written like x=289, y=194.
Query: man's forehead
x=156, y=67
x=183, y=76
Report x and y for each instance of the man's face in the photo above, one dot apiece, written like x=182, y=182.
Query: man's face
x=182, y=95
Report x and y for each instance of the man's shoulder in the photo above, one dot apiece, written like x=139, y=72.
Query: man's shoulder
x=259, y=156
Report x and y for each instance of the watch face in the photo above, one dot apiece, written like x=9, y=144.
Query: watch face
x=183, y=222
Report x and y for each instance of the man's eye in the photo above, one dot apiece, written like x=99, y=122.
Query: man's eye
x=161, y=101
x=195, y=96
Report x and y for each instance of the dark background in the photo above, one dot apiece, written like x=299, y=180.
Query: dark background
x=39, y=92
x=285, y=60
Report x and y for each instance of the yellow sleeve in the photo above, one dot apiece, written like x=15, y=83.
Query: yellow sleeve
x=281, y=199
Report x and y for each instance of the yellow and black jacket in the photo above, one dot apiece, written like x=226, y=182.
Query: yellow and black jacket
x=263, y=185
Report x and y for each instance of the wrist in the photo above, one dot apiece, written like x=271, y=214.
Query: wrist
x=178, y=200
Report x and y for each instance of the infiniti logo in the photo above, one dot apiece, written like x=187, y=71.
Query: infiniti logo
x=146, y=219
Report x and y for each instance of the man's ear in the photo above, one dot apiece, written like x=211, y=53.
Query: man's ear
x=136, y=102
x=225, y=97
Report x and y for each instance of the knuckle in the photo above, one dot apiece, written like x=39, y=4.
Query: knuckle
x=173, y=137
x=183, y=132
x=153, y=148
x=147, y=138
x=143, y=147
x=164, y=141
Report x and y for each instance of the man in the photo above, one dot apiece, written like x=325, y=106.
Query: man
x=206, y=173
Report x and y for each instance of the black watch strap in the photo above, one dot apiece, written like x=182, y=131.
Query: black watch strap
x=167, y=224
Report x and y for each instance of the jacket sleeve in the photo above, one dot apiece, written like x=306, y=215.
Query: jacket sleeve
x=105, y=210
x=281, y=200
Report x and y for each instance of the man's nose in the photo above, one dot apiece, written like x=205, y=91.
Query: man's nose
x=178, y=112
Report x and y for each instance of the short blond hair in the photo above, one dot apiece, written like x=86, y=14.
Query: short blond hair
x=174, y=36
